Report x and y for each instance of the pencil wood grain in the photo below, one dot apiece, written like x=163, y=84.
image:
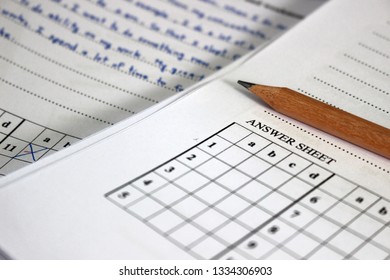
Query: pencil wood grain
x=344, y=125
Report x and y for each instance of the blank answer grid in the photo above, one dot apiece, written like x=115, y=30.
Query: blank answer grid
x=237, y=195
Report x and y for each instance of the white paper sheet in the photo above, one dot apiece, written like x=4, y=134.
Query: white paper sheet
x=204, y=178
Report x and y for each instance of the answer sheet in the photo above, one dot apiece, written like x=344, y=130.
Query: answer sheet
x=71, y=68
x=219, y=175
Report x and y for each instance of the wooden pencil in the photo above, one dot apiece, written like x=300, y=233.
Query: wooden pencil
x=344, y=125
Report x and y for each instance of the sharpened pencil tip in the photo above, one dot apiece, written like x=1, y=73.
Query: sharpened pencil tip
x=245, y=84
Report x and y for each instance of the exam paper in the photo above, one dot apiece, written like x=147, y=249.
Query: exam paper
x=219, y=175
x=71, y=68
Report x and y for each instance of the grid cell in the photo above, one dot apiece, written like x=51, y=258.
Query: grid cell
x=256, y=246
x=383, y=237
x=253, y=143
x=193, y=158
x=277, y=231
x=231, y=232
x=210, y=219
x=182, y=207
x=145, y=208
x=191, y=181
x=370, y=252
x=214, y=145
x=254, y=191
x=186, y=234
x=361, y=198
x=234, y=133
x=273, y=153
x=126, y=195
x=274, y=203
x=253, y=217
x=233, y=179
x=253, y=166
x=233, y=155
x=314, y=175
x=208, y=248
x=322, y=228
x=346, y=241
x=295, y=188
x=169, y=194
x=381, y=210
x=293, y=164
x=326, y=254
x=298, y=216
x=165, y=221
x=172, y=170
x=342, y=213
x=212, y=193
x=301, y=244
x=149, y=182
x=232, y=205
x=365, y=225
x=318, y=201
x=274, y=177
x=213, y=168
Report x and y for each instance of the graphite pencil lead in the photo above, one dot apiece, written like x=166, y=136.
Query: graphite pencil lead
x=245, y=84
